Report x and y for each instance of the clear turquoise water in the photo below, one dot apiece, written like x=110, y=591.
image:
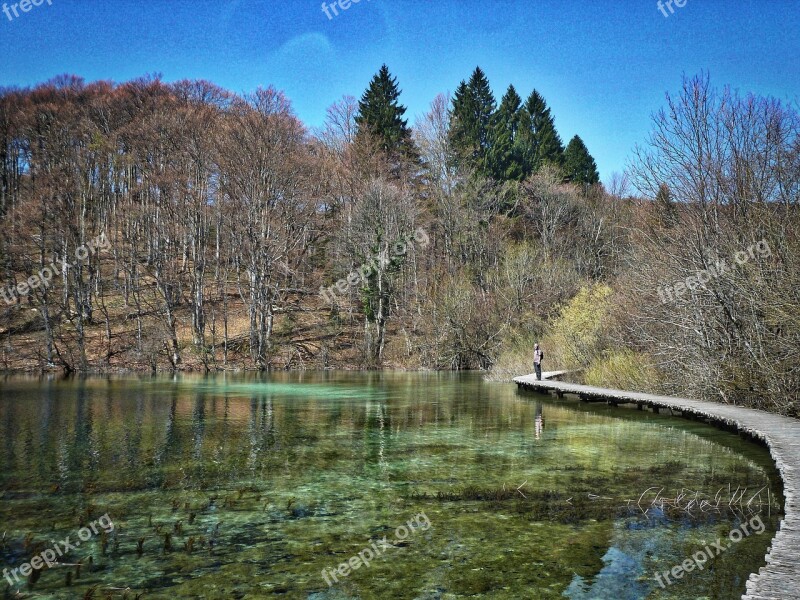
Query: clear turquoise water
x=258, y=487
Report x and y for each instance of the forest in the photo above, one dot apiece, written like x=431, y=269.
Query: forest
x=188, y=228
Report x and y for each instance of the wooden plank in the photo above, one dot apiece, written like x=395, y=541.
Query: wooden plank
x=779, y=579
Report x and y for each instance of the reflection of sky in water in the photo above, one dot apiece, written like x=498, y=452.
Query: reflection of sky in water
x=617, y=579
x=637, y=545
x=625, y=575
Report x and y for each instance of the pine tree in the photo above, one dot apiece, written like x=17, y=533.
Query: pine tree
x=470, y=131
x=540, y=141
x=381, y=115
x=579, y=166
x=505, y=151
x=463, y=129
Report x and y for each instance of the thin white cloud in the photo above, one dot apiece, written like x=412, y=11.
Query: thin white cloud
x=304, y=47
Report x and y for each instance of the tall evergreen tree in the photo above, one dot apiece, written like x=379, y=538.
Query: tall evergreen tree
x=381, y=115
x=538, y=136
x=505, y=151
x=579, y=166
x=470, y=130
x=463, y=129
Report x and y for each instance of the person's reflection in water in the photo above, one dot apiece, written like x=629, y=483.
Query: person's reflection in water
x=539, y=420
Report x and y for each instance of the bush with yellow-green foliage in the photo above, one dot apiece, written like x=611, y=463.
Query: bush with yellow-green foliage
x=621, y=369
x=575, y=337
x=578, y=340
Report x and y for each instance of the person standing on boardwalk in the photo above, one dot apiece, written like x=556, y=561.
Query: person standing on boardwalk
x=538, y=356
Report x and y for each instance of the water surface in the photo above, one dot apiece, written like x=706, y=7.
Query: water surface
x=257, y=487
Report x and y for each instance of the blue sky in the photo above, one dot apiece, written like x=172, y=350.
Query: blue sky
x=603, y=66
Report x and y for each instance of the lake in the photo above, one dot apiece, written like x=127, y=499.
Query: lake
x=342, y=485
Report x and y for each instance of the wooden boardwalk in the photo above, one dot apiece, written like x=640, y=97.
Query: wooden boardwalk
x=780, y=578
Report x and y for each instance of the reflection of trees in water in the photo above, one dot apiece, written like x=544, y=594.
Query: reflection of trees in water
x=376, y=434
x=10, y=429
x=45, y=442
x=261, y=431
x=382, y=436
x=133, y=436
x=83, y=454
x=82, y=429
x=171, y=441
x=198, y=424
x=255, y=442
x=168, y=437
